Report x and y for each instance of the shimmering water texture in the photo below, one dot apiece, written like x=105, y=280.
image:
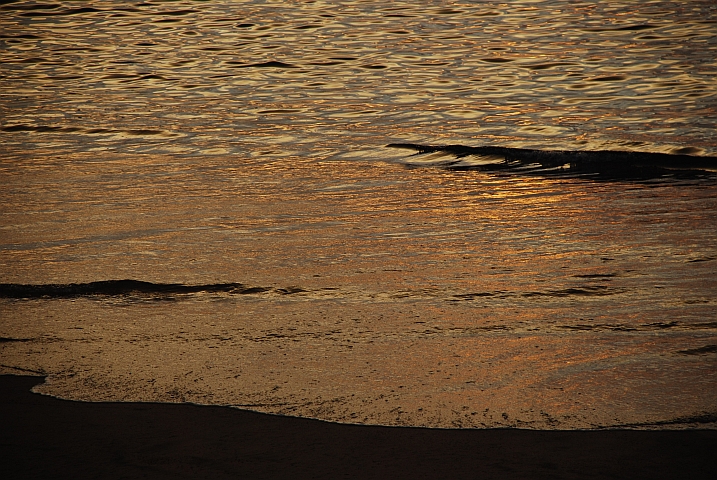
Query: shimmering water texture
x=465, y=215
x=279, y=78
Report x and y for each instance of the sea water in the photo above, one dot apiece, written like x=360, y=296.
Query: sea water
x=229, y=159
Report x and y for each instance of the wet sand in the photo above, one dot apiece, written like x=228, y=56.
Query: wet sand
x=44, y=437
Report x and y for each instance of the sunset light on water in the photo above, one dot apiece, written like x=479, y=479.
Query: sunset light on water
x=245, y=143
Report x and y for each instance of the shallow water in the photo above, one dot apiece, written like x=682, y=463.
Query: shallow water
x=202, y=143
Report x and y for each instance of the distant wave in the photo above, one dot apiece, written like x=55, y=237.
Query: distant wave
x=118, y=287
x=604, y=164
x=90, y=131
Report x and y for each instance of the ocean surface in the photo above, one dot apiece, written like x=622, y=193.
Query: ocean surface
x=199, y=203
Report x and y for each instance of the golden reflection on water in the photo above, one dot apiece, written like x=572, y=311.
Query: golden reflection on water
x=214, y=78
x=204, y=142
x=396, y=296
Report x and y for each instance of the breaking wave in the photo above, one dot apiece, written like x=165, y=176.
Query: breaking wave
x=604, y=164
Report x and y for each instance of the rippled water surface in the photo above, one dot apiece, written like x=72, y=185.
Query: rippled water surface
x=230, y=157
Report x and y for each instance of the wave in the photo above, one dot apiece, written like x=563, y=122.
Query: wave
x=119, y=287
x=599, y=164
x=707, y=349
x=138, y=287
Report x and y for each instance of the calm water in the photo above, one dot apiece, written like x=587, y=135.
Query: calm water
x=244, y=143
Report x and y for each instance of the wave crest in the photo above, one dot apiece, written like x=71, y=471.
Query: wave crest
x=603, y=164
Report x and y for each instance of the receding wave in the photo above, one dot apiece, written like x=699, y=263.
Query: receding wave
x=601, y=164
x=696, y=419
x=119, y=287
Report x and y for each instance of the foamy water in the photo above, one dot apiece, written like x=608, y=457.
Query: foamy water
x=244, y=143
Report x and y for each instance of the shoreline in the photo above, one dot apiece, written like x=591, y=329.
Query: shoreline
x=45, y=437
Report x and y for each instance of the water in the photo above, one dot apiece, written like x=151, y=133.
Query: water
x=238, y=150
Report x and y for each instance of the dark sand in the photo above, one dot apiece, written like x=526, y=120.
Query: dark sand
x=43, y=437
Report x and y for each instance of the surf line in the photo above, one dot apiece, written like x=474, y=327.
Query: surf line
x=600, y=162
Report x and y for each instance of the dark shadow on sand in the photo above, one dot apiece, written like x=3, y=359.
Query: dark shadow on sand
x=43, y=437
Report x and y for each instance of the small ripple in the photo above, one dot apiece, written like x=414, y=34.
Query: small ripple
x=597, y=275
x=608, y=78
x=497, y=60
x=583, y=327
x=700, y=259
x=37, y=6
x=627, y=28
x=71, y=11
x=585, y=291
x=174, y=12
x=547, y=66
x=25, y=36
x=271, y=64
x=89, y=131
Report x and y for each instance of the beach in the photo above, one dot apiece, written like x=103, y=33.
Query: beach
x=44, y=437
x=249, y=238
